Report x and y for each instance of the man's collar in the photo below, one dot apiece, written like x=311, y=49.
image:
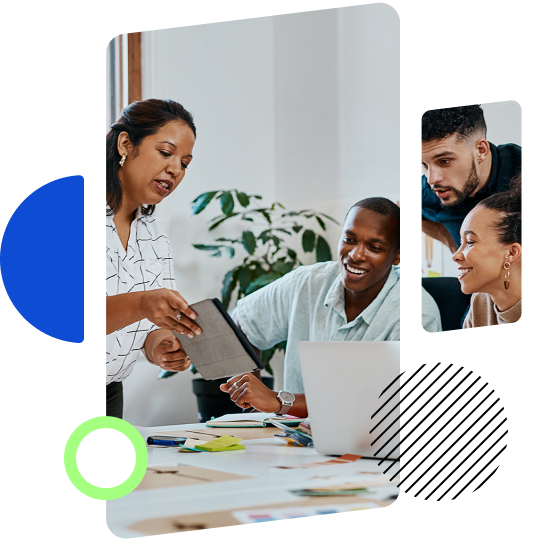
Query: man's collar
x=335, y=297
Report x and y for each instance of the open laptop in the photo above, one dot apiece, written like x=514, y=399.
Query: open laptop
x=345, y=384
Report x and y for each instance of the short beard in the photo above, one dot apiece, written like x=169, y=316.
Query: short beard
x=472, y=182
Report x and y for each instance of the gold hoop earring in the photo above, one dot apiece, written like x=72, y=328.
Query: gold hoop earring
x=122, y=161
x=507, y=267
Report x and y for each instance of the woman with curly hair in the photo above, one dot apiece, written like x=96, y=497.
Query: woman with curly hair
x=490, y=259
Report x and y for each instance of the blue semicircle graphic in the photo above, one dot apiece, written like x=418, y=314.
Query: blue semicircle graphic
x=42, y=259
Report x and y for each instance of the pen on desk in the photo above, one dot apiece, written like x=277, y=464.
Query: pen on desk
x=163, y=442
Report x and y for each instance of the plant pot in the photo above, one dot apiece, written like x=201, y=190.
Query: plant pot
x=212, y=402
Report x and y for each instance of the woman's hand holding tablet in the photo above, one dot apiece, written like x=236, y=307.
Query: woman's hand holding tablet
x=168, y=310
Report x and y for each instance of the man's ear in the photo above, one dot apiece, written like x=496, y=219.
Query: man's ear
x=397, y=258
x=515, y=253
x=482, y=148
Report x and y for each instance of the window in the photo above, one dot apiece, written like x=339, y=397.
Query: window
x=124, y=74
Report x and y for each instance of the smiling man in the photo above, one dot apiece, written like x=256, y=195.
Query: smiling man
x=461, y=168
x=353, y=299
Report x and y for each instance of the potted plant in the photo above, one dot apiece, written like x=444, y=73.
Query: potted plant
x=265, y=242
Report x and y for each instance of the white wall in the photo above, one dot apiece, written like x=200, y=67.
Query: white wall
x=302, y=109
x=503, y=126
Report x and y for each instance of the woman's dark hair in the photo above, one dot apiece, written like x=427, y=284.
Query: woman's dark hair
x=441, y=123
x=139, y=120
x=508, y=225
x=384, y=207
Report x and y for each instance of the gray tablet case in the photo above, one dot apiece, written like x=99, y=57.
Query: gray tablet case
x=221, y=350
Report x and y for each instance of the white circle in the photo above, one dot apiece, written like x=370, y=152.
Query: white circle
x=105, y=458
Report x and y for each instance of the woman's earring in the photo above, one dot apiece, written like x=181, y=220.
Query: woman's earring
x=122, y=161
x=506, y=266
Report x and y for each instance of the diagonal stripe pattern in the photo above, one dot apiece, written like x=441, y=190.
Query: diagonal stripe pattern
x=388, y=425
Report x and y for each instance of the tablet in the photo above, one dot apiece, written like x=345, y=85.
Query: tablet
x=221, y=351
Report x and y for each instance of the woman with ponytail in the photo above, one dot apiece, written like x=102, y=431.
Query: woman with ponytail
x=147, y=153
x=490, y=259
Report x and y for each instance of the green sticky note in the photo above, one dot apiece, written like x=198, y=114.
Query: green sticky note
x=220, y=444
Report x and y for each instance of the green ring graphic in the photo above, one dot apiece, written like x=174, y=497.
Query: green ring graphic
x=105, y=493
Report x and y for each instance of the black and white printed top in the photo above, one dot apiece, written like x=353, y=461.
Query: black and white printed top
x=146, y=265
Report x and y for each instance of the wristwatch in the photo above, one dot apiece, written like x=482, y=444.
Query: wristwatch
x=287, y=399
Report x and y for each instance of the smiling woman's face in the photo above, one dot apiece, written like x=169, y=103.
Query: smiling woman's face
x=481, y=255
x=155, y=168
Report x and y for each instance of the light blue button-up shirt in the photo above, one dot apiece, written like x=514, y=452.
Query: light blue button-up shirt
x=308, y=304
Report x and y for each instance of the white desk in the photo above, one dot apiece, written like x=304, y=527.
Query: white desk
x=263, y=486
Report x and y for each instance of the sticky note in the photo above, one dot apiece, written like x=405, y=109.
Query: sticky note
x=221, y=444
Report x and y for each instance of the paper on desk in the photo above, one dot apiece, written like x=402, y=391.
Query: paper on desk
x=362, y=483
x=183, y=475
x=225, y=517
x=357, y=485
x=342, y=460
x=272, y=514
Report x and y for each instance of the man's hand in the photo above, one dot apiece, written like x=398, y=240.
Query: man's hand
x=164, y=350
x=247, y=391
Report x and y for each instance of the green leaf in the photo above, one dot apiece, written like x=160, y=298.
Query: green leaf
x=266, y=356
x=291, y=253
x=243, y=198
x=249, y=219
x=256, y=196
x=297, y=228
x=227, y=203
x=262, y=281
x=207, y=247
x=166, y=374
x=283, y=267
x=245, y=277
x=321, y=223
x=265, y=214
x=221, y=219
x=308, y=241
x=202, y=201
x=248, y=241
x=330, y=218
x=322, y=250
x=230, y=252
x=289, y=266
x=216, y=255
x=229, y=284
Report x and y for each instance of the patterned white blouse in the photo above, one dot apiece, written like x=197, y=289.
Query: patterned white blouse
x=147, y=264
